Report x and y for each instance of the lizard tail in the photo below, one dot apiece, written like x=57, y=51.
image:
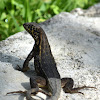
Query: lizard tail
x=52, y=98
x=55, y=87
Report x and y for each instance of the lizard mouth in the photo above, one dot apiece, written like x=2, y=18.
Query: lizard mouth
x=25, y=25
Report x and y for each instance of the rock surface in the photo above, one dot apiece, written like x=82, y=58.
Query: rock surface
x=93, y=11
x=75, y=44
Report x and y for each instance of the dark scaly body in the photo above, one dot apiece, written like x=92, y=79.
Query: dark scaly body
x=45, y=65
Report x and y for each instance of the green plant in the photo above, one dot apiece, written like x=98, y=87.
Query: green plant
x=13, y=13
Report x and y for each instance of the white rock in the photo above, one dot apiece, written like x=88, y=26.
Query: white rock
x=75, y=44
x=93, y=11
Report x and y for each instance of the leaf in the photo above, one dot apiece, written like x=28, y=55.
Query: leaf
x=3, y=16
x=2, y=5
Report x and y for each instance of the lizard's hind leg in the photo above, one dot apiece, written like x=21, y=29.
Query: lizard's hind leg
x=67, y=85
x=34, y=88
x=35, y=83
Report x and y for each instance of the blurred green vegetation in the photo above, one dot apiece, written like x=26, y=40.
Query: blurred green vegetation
x=13, y=13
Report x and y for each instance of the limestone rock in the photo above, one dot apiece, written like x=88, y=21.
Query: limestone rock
x=93, y=11
x=75, y=44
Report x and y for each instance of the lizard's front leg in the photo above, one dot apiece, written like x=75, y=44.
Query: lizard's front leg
x=26, y=62
x=67, y=85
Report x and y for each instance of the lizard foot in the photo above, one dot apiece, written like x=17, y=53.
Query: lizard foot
x=24, y=92
x=22, y=69
x=67, y=85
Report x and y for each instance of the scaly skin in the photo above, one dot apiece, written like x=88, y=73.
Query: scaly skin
x=44, y=62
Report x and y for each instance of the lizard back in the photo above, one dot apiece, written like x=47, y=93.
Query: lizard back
x=49, y=68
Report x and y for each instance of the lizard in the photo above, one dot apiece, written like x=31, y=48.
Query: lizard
x=45, y=67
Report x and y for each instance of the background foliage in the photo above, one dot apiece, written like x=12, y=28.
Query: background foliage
x=13, y=13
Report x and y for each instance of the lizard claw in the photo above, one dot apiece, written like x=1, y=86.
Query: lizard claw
x=18, y=68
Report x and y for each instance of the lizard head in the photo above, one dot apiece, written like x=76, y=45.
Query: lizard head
x=33, y=29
